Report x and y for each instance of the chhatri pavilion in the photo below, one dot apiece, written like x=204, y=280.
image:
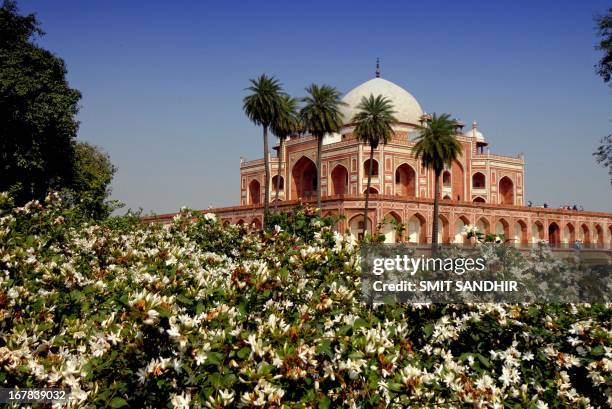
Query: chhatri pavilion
x=480, y=188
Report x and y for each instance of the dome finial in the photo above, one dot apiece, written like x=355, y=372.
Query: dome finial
x=377, y=67
x=474, y=124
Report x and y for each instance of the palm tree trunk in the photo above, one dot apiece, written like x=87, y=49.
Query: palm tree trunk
x=319, y=145
x=367, y=201
x=266, y=175
x=434, y=225
x=278, y=172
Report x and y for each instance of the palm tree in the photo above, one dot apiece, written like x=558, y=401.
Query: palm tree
x=286, y=124
x=320, y=116
x=437, y=146
x=262, y=107
x=373, y=126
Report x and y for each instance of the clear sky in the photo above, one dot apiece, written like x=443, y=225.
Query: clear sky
x=163, y=82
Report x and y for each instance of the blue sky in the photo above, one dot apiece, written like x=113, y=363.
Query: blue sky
x=163, y=82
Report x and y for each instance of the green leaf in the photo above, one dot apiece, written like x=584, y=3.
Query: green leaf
x=324, y=403
x=184, y=300
x=244, y=352
x=118, y=402
x=427, y=330
x=214, y=358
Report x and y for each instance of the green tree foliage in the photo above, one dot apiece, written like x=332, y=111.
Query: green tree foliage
x=262, y=107
x=374, y=121
x=286, y=124
x=321, y=115
x=93, y=173
x=603, y=155
x=437, y=147
x=604, y=31
x=37, y=111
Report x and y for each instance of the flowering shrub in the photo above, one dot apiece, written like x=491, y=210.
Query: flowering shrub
x=195, y=314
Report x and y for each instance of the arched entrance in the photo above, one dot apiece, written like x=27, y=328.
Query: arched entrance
x=458, y=181
x=520, y=232
x=502, y=229
x=443, y=230
x=356, y=227
x=339, y=178
x=569, y=234
x=416, y=229
x=304, y=183
x=478, y=181
x=366, y=168
x=479, y=200
x=586, y=234
x=554, y=234
x=599, y=236
x=446, y=179
x=483, y=226
x=254, y=192
x=506, y=191
x=278, y=181
x=537, y=232
x=256, y=223
x=460, y=223
x=389, y=229
x=373, y=191
x=405, y=181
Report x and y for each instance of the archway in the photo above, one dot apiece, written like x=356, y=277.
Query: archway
x=506, y=191
x=554, y=234
x=240, y=222
x=278, y=181
x=356, y=227
x=460, y=223
x=304, y=174
x=478, y=181
x=520, y=232
x=446, y=179
x=256, y=223
x=599, y=236
x=446, y=197
x=483, y=226
x=373, y=190
x=537, y=232
x=443, y=230
x=479, y=199
x=405, y=181
x=366, y=167
x=569, y=234
x=254, y=192
x=586, y=234
x=417, y=232
x=339, y=178
x=389, y=228
x=502, y=228
x=458, y=181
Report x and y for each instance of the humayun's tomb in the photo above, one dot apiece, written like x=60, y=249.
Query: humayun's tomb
x=481, y=188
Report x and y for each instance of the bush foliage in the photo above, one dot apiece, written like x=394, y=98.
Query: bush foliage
x=195, y=314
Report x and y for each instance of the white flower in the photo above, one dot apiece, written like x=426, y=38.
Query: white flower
x=180, y=401
x=211, y=217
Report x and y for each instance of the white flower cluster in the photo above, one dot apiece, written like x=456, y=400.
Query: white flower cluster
x=201, y=315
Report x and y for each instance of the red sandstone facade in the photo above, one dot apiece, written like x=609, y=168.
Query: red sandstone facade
x=479, y=188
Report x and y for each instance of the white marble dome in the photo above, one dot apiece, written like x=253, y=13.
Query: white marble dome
x=407, y=108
